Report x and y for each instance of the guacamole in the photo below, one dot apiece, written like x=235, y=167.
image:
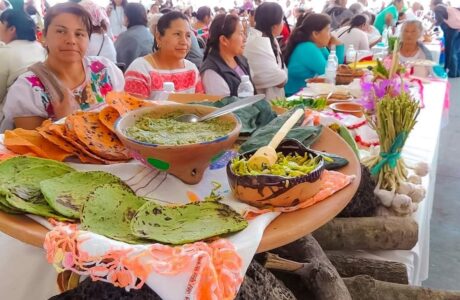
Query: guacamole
x=167, y=131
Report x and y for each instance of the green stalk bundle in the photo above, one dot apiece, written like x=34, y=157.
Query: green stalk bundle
x=394, y=119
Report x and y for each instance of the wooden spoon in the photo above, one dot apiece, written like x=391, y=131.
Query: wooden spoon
x=267, y=155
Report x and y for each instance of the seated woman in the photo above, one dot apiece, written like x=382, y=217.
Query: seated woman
x=100, y=44
x=412, y=49
x=306, y=53
x=203, y=19
x=223, y=63
x=355, y=33
x=68, y=80
x=264, y=54
x=20, y=49
x=146, y=75
x=137, y=41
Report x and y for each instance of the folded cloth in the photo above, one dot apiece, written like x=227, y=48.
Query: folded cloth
x=307, y=135
x=252, y=117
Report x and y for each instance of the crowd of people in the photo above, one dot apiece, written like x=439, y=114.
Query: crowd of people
x=82, y=51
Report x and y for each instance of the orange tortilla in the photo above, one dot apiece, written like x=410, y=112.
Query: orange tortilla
x=108, y=116
x=96, y=137
x=29, y=142
x=81, y=151
x=124, y=102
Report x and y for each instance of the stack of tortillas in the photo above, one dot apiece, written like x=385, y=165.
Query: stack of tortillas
x=88, y=135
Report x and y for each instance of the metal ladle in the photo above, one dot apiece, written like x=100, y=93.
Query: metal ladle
x=192, y=118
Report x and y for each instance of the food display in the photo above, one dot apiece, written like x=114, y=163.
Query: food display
x=67, y=194
x=186, y=159
x=20, y=179
x=346, y=74
x=186, y=223
x=290, y=165
x=263, y=189
x=282, y=105
x=166, y=130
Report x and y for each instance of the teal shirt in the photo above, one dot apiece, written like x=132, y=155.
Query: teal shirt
x=380, y=18
x=308, y=61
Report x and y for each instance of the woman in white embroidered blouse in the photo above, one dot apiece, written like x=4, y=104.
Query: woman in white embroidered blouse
x=263, y=52
x=146, y=75
x=68, y=80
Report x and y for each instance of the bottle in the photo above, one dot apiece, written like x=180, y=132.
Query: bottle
x=351, y=54
x=245, y=89
x=331, y=70
x=168, y=88
x=333, y=54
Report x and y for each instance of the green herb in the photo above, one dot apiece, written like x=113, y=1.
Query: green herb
x=316, y=104
x=286, y=165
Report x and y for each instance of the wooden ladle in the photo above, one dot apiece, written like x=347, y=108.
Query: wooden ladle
x=266, y=155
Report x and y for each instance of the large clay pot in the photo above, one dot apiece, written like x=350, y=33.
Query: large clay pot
x=273, y=190
x=186, y=162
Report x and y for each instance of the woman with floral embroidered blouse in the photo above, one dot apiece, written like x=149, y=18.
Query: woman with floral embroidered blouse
x=68, y=80
x=146, y=75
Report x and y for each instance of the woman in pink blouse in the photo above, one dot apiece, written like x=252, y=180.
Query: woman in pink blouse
x=146, y=75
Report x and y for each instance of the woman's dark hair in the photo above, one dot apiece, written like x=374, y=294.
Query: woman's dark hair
x=165, y=22
x=312, y=23
x=357, y=21
x=135, y=14
x=123, y=3
x=25, y=26
x=221, y=25
x=300, y=19
x=267, y=15
x=202, y=13
x=68, y=8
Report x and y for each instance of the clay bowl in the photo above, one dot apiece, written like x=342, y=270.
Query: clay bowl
x=351, y=108
x=273, y=190
x=186, y=162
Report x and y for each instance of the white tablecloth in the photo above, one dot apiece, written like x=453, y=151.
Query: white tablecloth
x=422, y=145
x=25, y=274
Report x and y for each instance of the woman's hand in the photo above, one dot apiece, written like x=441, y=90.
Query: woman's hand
x=66, y=106
x=334, y=41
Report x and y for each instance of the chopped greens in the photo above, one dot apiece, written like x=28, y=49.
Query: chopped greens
x=287, y=165
x=316, y=104
x=167, y=131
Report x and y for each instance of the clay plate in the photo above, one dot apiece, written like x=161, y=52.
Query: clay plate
x=285, y=229
x=351, y=108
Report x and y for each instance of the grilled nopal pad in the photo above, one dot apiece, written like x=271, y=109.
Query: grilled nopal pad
x=68, y=193
x=108, y=211
x=187, y=223
x=20, y=179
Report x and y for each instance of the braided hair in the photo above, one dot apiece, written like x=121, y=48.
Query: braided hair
x=267, y=15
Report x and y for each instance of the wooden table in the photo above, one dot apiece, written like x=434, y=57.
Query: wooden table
x=287, y=228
